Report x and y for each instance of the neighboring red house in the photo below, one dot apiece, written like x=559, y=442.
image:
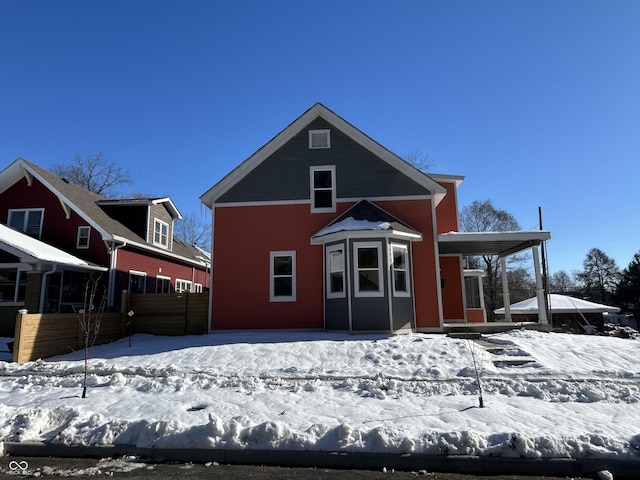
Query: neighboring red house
x=325, y=228
x=129, y=241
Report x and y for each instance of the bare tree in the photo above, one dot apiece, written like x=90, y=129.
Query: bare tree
x=484, y=217
x=419, y=159
x=562, y=282
x=194, y=230
x=94, y=172
x=600, y=276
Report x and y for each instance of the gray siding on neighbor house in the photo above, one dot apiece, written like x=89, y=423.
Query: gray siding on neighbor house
x=285, y=174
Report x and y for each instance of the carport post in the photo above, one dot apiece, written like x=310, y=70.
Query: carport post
x=505, y=290
x=542, y=304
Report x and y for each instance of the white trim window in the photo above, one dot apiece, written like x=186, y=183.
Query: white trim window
x=197, y=288
x=160, y=233
x=13, y=285
x=183, y=286
x=400, y=270
x=27, y=220
x=335, y=271
x=282, y=276
x=320, y=138
x=163, y=284
x=84, y=235
x=137, y=282
x=323, y=188
x=367, y=266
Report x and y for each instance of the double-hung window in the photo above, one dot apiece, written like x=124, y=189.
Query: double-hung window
x=160, y=233
x=400, y=269
x=282, y=271
x=323, y=189
x=13, y=285
x=137, y=282
x=183, y=286
x=163, y=284
x=83, y=237
x=368, y=269
x=28, y=221
x=335, y=271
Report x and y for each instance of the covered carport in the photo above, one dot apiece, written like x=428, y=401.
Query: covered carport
x=502, y=245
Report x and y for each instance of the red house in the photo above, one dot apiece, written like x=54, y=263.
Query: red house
x=73, y=233
x=324, y=228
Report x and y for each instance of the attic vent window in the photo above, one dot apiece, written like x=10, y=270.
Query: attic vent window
x=319, y=139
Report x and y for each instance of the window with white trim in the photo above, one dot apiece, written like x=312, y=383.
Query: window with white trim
x=183, y=286
x=163, y=284
x=197, y=288
x=320, y=138
x=28, y=220
x=13, y=285
x=368, y=269
x=400, y=269
x=282, y=273
x=160, y=233
x=84, y=234
x=137, y=282
x=335, y=271
x=323, y=188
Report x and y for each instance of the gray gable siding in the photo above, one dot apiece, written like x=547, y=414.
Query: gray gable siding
x=285, y=174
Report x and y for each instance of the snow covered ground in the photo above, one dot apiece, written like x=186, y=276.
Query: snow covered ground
x=545, y=394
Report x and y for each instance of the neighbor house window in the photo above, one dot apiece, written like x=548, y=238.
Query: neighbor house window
x=13, y=285
x=320, y=138
x=163, y=284
x=83, y=237
x=400, y=268
x=197, y=288
x=160, y=233
x=368, y=269
x=335, y=271
x=28, y=221
x=137, y=282
x=183, y=286
x=323, y=189
x=283, y=277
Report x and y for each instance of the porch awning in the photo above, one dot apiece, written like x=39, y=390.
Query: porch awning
x=33, y=251
x=501, y=244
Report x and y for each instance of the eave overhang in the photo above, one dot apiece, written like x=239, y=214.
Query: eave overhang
x=502, y=244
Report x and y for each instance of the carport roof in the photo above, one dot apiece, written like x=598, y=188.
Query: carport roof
x=502, y=244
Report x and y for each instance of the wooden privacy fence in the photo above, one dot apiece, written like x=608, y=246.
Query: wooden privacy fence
x=41, y=335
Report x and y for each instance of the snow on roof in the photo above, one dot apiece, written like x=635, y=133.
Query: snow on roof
x=23, y=246
x=351, y=224
x=559, y=304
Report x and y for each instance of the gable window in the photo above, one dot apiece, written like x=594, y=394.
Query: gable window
x=368, y=269
x=323, y=189
x=160, y=233
x=83, y=237
x=400, y=269
x=163, y=284
x=335, y=271
x=137, y=282
x=183, y=286
x=13, y=285
x=320, y=138
x=27, y=221
x=282, y=277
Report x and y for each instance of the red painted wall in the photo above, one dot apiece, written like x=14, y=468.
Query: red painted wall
x=447, y=209
x=452, y=290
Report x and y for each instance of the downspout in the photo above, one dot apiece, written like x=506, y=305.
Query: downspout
x=43, y=286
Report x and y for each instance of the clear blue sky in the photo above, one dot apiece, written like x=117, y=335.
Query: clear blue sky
x=535, y=102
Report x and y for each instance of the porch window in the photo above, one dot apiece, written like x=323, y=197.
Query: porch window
x=27, y=221
x=83, y=237
x=323, y=189
x=137, y=282
x=368, y=269
x=183, y=286
x=472, y=292
x=335, y=271
x=13, y=285
x=282, y=277
x=400, y=269
x=160, y=233
x=163, y=284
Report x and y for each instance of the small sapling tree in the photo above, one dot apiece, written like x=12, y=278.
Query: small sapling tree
x=90, y=317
